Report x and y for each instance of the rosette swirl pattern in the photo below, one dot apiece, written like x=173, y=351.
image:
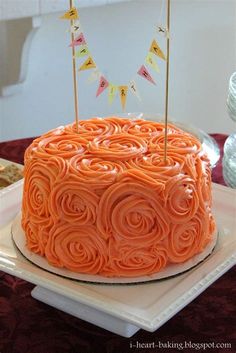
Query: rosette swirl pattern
x=176, y=142
x=128, y=260
x=185, y=239
x=78, y=249
x=96, y=127
x=58, y=145
x=132, y=211
x=118, y=147
x=73, y=202
x=181, y=198
x=147, y=129
x=96, y=172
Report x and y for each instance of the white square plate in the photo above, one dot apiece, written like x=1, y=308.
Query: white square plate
x=148, y=305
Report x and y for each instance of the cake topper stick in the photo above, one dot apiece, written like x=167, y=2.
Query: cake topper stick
x=76, y=104
x=167, y=76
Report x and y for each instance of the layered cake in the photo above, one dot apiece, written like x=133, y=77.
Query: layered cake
x=101, y=198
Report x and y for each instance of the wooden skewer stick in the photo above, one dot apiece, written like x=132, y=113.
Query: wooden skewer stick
x=76, y=104
x=167, y=76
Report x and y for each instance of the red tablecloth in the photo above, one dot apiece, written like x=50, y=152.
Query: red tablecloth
x=29, y=326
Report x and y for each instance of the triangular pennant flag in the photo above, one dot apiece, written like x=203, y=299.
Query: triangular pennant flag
x=112, y=90
x=144, y=73
x=123, y=95
x=133, y=89
x=78, y=41
x=83, y=51
x=155, y=49
x=88, y=64
x=151, y=62
x=95, y=75
x=75, y=27
x=103, y=84
x=71, y=14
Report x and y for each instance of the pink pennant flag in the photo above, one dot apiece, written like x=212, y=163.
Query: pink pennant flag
x=78, y=41
x=145, y=74
x=103, y=84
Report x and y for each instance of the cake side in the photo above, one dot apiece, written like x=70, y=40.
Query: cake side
x=103, y=201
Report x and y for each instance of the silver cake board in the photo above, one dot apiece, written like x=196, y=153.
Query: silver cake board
x=85, y=312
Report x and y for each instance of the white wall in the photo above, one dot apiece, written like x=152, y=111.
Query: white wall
x=203, y=56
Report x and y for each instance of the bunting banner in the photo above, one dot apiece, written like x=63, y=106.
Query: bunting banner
x=88, y=64
x=155, y=49
x=151, y=62
x=112, y=90
x=133, y=88
x=123, y=95
x=78, y=41
x=83, y=51
x=72, y=14
x=103, y=84
x=145, y=74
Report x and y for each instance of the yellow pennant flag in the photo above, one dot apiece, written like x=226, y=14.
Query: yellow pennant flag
x=155, y=49
x=83, y=51
x=151, y=61
x=88, y=64
x=123, y=95
x=112, y=90
x=72, y=14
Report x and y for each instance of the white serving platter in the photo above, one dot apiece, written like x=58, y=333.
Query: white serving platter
x=148, y=305
x=10, y=196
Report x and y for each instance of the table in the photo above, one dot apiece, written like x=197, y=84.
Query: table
x=29, y=326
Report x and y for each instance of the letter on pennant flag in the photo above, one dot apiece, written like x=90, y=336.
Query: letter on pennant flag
x=95, y=75
x=112, y=89
x=123, y=95
x=155, y=49
x=88, y=64
x=144, y=73
x=134, y=90
x=72, y=14
x=103, y=84
x=82, y=51
x=151, y=62
x=78, y=41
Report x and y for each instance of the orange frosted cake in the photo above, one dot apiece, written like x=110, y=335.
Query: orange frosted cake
x=103, y=201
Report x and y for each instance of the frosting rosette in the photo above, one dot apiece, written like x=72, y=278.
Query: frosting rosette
x=78, y=249
x=36, y=237
x=181, y=198
x=147, y=129
x=59, y=145
x=40, y=176
x=179, y=143
x=133, y=211
x=117, y=147
x=73, y=202
x=185, y=240
x=156, y=167
x=133, y=261
x=96, y=172
x=96, y=127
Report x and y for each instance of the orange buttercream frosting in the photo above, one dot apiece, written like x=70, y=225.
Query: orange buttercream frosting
x=103, y=200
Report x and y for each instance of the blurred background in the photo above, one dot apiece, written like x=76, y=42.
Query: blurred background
x=36, y=92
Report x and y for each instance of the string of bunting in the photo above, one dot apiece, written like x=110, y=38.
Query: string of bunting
x=82, y=51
